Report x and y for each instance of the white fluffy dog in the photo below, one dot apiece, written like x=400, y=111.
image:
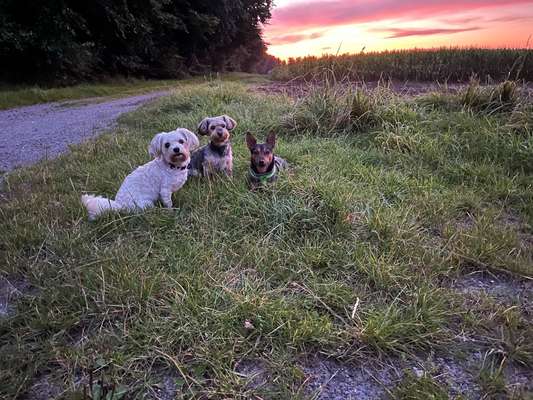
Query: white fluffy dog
x=157, y=179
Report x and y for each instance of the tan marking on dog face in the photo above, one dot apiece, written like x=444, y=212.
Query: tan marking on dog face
x=262, y=156
x=218, y=132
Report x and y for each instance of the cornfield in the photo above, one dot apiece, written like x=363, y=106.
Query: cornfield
x=444, y=65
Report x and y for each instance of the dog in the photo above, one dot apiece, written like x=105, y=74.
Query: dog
x=157, y=179
x=264, y=165
x=216, y=156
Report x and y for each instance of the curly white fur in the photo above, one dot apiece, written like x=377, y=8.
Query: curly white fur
x=157, y=179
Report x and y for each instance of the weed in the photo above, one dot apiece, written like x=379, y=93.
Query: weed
x=500, y=98
x=419, y=388
x=333, y=110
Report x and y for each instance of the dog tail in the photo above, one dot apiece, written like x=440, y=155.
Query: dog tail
x=97, y=205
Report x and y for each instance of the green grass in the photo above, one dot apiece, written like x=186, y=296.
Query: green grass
x=382, y=209
x=16, y=96
x=423, y=388
x=23, y=96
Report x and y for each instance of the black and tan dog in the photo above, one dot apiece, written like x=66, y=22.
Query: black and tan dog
x=264, y=165
x=216, y=156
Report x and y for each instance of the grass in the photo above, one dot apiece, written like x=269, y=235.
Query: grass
x=414, y=388
x=23, y=96
x=16, y=96
x=443, y=65
x=351, y=254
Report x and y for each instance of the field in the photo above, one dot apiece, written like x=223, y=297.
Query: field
x=442, y=65
x=394, y=259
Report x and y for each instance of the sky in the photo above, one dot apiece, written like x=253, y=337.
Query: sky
x=315, y=27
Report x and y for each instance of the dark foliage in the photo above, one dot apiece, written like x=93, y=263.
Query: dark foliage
x=70, y=40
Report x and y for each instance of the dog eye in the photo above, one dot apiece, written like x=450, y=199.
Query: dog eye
x=167, y=145
x=212, y=127
x=223, y=125
x=181, y=141
x=267, y=152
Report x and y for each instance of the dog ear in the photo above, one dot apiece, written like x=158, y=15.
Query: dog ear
x=250, y=140
x=271, y=140
x=190, y=138
x=230, y=122
x=156, y=145
x=203, y=126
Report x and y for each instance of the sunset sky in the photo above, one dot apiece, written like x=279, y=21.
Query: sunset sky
x=302, y=27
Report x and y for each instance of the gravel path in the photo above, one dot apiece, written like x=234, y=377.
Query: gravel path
x=29, y=134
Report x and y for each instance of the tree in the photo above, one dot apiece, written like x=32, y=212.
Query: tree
x=69, y=40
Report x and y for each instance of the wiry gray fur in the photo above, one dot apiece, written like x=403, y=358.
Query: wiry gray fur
x=217, y=156
x=206, y=161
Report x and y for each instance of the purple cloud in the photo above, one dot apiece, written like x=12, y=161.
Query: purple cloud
x=404, y=32
x=339, y=12
x=461, y=21
x=510, y=18
x=293, y=38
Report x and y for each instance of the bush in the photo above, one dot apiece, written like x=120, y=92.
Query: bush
x=332, y=110
x=502, y=97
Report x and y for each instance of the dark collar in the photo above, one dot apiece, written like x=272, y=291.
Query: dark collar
x=265, y=176
x=220, y=150
x=172, y=166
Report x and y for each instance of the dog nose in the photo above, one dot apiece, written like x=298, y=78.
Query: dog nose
x=220, y=133
x=176, y=149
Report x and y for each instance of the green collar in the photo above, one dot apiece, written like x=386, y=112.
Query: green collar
x=263, y=178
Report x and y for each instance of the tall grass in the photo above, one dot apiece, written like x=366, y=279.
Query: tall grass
x=444, y=65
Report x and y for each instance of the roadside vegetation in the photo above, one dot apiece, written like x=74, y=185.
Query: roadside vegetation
x=23, y=95
x=400, y=237
x=16, y=96
x=434, y=65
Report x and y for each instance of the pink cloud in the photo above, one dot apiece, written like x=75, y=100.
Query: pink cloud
x=293, y=38
x=403, y=32
x=510, y=18
x=467, y=20
x=340, y=12
x=461, y=21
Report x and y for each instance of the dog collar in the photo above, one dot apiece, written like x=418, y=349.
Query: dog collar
x=172, y=166
x=263, y=178
x=220, y=150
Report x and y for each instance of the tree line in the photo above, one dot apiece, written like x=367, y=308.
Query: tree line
x=72, y=40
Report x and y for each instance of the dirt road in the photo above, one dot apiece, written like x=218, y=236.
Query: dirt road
x=29, y=134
